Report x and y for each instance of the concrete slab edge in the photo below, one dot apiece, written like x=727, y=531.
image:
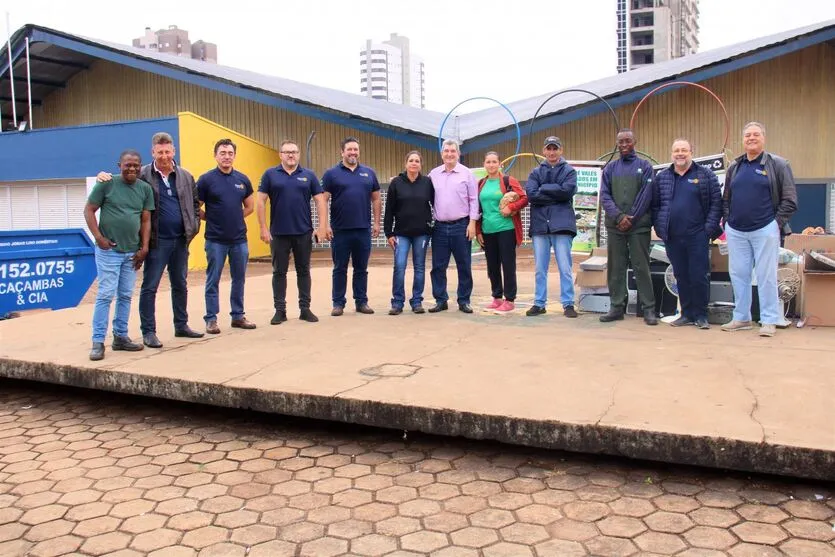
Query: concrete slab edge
x=711, y=452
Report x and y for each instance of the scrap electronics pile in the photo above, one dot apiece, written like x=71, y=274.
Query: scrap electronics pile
x=805, y=282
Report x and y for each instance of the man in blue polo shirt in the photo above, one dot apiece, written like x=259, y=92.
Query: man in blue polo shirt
x=353, y=189
x=228, y=200
x=289, y=187
x=759, y=200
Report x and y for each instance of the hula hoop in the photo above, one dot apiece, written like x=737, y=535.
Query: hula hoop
x=501, y=164
x=698, y=86
x=512, y=117
x=598, y=97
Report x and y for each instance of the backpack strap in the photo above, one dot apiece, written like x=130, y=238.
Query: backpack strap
x=506, y=180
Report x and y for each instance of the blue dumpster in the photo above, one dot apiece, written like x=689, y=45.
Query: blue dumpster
x=50, y=269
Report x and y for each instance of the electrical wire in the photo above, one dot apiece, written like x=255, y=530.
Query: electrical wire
x=504, y=106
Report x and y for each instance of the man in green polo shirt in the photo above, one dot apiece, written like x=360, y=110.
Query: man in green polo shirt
x=122, y=235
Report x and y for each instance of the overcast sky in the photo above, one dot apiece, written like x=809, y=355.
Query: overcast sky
x=507, y=50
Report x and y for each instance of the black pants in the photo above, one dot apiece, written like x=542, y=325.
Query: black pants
x=690, y=258
x=500, y=251
x=302, y=247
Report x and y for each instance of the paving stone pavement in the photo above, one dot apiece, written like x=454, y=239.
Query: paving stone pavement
x=92, y=473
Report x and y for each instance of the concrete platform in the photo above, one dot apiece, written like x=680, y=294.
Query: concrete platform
x=726, y=400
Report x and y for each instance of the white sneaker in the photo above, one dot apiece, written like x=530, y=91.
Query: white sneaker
x=737, y=326
x=768, y=330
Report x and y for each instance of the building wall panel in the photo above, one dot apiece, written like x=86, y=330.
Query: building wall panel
x=792, y=95
x=110, y=92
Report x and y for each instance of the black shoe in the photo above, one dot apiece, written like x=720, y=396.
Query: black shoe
x=418, y=309
x=535, y=310
x=650, y=318
x=126, y=344
x=187, y=332
x=613, y=315
x=151, y=340
x=443, y=306
x=682, y=322
x=395, y=311
x=702, y=323
x=97, y=352
x=363, y=308
x=279, y=317
x=569, y=311
x=309, y=316
x=466, y=308
x=337, y=311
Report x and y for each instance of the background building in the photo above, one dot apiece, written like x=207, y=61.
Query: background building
x=651, y=31
x=175, y=41
x=390, y=72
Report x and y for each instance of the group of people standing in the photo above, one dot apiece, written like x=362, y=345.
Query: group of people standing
x=149, y=215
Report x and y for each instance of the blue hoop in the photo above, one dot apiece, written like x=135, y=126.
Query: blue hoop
x=515, y=123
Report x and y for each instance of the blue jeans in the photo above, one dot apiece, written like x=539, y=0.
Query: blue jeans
x=450, y=239
x=758, y=249
x=401, y=257
x=116, y=277
x=171, y=253
x=690, y=258
x=561, y=245
x=353, y=245
x=216, y=256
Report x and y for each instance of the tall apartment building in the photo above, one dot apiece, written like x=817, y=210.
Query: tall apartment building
x=390, y=72
x=175, y=41
x=651, y=31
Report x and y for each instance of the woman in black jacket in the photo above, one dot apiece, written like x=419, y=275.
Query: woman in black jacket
x=408, y=224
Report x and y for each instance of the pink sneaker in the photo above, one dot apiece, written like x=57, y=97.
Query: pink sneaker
x=495, y=303
x=506, y=306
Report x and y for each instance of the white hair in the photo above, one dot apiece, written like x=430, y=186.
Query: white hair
x=453, y=143
x=751, y=125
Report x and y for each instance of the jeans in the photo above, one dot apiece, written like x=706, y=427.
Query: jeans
x=690, y=258
x=171, y=253
x=561, y=245
x=353, y=245
x=401, y=257
x=116, y=277
x=216, y=256
x=759, y=249
x=500, y=252
x=450, y=239
x=302, y=247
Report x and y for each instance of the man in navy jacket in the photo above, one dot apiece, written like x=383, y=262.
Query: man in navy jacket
x=686, y=208
x=551, y=187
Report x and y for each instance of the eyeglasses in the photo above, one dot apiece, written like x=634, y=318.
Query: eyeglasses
x=289, y=152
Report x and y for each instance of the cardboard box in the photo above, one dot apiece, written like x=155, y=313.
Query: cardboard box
x=799, y=243
x=718, y=262
x=591, y=279
x=818, y=292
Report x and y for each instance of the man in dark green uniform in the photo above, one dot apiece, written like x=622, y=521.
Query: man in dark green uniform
x=626, y=195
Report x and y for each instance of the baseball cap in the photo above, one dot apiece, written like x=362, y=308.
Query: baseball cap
x=553, y=140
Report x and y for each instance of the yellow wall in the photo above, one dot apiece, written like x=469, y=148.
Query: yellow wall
x=197, y=140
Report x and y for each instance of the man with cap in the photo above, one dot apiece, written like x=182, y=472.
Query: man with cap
x=551, y=187
x=626, y=196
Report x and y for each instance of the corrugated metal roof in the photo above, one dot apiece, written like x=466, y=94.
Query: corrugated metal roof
x=427, y=122
x=488, y=120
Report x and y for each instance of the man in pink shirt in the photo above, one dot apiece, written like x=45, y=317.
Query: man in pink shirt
x=456, y=212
